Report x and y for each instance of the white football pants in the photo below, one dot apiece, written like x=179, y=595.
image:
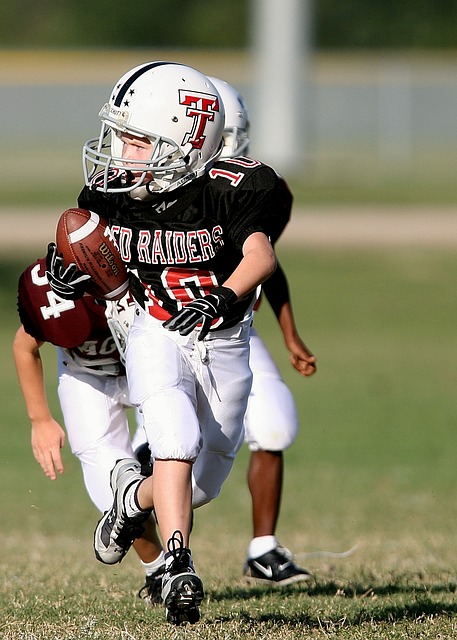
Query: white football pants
x=271, y=421
x=193, y=396
x=94, y=413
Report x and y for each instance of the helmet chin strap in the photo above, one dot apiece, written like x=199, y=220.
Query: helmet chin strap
x=141, y=193
x=146, y=190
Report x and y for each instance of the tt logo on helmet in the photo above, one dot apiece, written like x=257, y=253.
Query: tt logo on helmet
x=201, y=107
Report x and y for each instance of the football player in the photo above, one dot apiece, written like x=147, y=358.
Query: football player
x=196, y=234
x=271, y=421
x=92, y=390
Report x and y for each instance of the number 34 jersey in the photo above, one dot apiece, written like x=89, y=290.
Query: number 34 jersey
x=181, y=244
x=80, y=327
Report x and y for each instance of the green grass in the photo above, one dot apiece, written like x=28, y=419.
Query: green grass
x=373, y=468
x=358, y=176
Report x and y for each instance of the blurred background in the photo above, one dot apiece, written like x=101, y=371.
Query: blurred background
x=353, y=102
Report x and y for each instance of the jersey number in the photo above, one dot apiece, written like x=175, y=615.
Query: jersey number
x=233, y=177
x=185, y=285
x=56, y=305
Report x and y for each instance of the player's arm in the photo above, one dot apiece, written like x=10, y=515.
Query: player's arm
x=48, y=436
x=276, y=291
x=257, y=264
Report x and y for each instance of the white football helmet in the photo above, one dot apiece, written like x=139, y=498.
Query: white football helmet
x=236, y=130
x=177, y=109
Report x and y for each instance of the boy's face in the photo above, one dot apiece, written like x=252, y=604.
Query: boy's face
x=136, y=148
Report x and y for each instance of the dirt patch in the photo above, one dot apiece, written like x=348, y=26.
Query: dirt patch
x=338, y=226
x=373, y=226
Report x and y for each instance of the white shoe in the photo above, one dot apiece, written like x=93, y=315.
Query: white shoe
x=115, y=531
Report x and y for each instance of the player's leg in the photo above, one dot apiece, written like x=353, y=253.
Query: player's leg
x=154, y=568
x=97, y=429
x=146, y=547
x=162, y=386
x=265, y=479
x=224, y=387
x=271, y=425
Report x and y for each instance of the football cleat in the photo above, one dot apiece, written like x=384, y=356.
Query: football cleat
x=115, y=531
x=152, y=590
x=182, y=589
x=276, y=568
x=143, y=455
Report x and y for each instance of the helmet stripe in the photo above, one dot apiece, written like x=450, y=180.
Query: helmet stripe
x=126, y=86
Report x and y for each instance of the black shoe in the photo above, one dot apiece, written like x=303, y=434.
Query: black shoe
x=115, y=531
x=152, y=590
x=276, y=567
x=182, y=589
x=143, y=455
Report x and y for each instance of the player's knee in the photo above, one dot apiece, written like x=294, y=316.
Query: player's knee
x=270, y=440
x=174, y=437
x=201, y=497
x=209, y=473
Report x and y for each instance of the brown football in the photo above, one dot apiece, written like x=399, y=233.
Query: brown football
x=83, y=237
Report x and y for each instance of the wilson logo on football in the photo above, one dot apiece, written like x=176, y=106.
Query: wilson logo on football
x=201, y=107
x=110, y=258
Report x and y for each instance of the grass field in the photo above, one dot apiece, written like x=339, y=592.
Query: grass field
x=373, y=470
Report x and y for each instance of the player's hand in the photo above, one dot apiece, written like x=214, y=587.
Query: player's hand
x=47, y=440
x=66, y=282
x=202, y=311
x=301, y=357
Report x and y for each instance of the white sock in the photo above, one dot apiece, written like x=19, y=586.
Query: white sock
x=132, y=508
x=262, y=544
x=151, y=567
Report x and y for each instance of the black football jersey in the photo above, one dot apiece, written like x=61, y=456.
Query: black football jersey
x=181, y=244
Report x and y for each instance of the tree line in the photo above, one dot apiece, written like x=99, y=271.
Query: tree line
x=212, y=24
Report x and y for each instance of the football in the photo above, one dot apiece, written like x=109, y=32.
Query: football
x=84, y=238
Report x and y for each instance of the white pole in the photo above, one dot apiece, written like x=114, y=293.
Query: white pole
x=280, y=39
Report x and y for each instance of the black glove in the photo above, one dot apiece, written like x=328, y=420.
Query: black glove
x=202, y=311
x=66, y=282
